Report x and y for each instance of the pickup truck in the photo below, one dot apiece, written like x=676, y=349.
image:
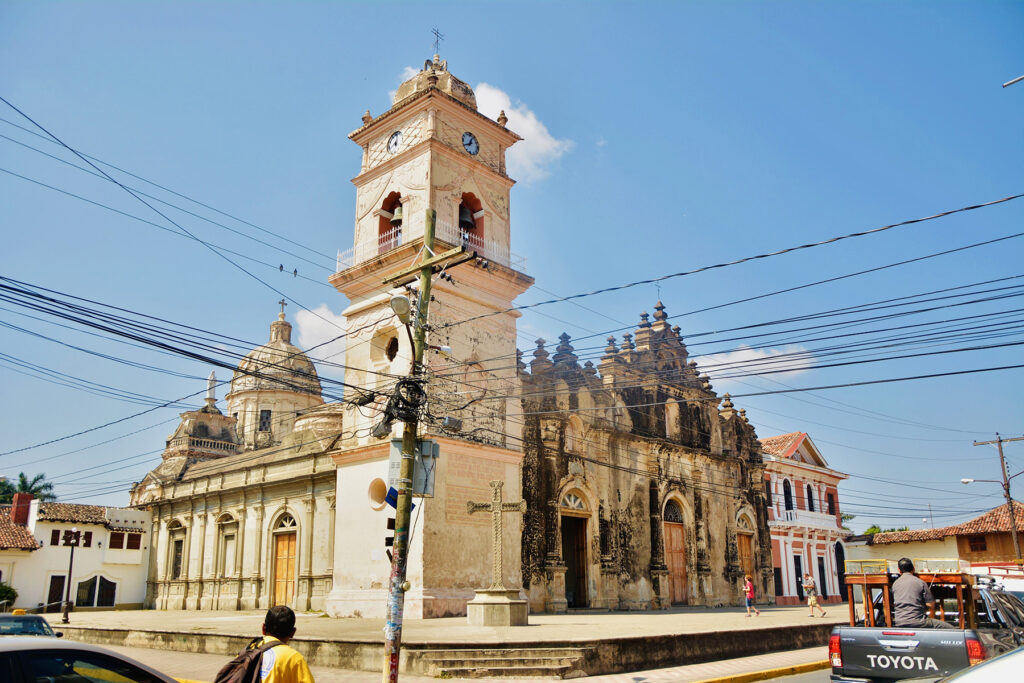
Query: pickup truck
x=989, y=620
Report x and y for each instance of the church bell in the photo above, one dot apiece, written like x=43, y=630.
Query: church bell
x=396, y=218
x=466, y=221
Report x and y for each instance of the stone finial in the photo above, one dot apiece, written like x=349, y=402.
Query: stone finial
x=611, y=349
x=645, y=320
x=627, y=342
x=588, y=369
x=705, y=382
x=366, y=117
x=502, y=119
x=564, y=350
x=678, y=331
x=727, y=409
x=659, y=311
x=520, y=365
x=743, y=414
x=540, y=361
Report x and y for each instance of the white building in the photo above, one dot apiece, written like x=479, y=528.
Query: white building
x=110, y=560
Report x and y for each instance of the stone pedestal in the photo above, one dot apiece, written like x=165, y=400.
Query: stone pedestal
x=497, y=607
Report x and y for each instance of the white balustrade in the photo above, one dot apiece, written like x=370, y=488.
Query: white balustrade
x=444, y=232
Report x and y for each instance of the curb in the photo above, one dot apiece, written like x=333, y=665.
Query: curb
x=769, y=673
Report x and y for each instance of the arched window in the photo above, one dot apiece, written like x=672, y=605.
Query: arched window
x=176, y=549
x=227, y=537
x=787, y=494
x=286, y=522
x=572, y=437
x=572, y=501
x=673, y=513
x=810, y=498
x=471, y=221
x=389, y=223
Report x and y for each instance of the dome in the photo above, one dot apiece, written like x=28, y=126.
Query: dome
x=277, y=365
x=445, y=82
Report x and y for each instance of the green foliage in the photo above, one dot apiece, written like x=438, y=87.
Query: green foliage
x=847, y=518
x=875, y=529
x=37, y=486
x=7, y=596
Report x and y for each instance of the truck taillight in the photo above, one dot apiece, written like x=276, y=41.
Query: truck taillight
x=975, y=651
x=835, y=651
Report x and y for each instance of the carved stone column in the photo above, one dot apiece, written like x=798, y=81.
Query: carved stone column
x=660, y=598
x=257, y=573
x=240, y=546
x=305, y=596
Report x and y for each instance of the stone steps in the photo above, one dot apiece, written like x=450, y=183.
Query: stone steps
x=506, y=663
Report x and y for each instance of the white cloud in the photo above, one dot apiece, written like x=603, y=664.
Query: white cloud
x=745, y=360
x=531, y=158
x=601, y=142
x=316, y=327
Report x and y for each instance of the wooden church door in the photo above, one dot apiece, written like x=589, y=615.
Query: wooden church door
x=284, y=561
x=675, y=552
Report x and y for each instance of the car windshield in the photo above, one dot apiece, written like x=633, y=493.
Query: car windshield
x=24, y=626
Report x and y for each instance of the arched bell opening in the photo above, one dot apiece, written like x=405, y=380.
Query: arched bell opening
x=389, y=223
x=471, y=221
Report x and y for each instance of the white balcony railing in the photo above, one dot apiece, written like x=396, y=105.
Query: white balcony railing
x=821, y=520
x=444, y=232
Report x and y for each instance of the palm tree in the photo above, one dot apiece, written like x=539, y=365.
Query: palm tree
x=37, y=486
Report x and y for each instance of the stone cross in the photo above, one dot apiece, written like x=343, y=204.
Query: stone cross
x=283, y=304
x=496, y=507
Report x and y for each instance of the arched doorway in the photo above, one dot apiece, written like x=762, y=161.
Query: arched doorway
x=745, y=544
x=675, y=552
x=574, y=515
x=841, y=569
x=284, y=560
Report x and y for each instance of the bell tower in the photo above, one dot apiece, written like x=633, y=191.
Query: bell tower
x=432, y=154
x=432, y=150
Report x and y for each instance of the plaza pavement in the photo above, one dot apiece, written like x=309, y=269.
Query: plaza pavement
x=576, y=626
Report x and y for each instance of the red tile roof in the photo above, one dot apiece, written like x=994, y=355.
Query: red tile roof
x=72, y=512
x=14, y=536
x=994, y=521
x=910, y=536
x=784, y=445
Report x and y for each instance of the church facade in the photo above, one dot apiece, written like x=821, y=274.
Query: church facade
x=240, y=499
x=644, y=486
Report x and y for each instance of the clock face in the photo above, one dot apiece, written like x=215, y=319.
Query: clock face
x=395, y=141
x=470, y=143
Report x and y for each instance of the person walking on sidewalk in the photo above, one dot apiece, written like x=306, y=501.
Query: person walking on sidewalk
x=811, y=591
x=748, y=591
x=281, y=663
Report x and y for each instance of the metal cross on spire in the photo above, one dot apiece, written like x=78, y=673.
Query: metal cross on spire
x=283, y=304
x=438, y=37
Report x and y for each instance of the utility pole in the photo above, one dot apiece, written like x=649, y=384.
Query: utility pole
x=1006, y=488
x=397, y=586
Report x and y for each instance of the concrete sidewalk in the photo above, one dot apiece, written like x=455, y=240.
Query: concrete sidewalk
x=578, y=626
x=203, y=667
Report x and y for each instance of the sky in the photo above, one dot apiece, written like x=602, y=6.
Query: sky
x=658, y=138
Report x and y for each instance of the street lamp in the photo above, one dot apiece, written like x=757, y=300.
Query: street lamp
x=1005, y=483
x=71, y=540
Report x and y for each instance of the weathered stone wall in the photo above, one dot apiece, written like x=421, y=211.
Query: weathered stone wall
x=615, y=450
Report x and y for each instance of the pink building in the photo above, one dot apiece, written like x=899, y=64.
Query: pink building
x=803, y=518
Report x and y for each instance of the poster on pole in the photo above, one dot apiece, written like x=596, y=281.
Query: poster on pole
x=424, y=466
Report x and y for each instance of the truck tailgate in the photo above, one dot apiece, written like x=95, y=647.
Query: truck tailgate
x=897, y=653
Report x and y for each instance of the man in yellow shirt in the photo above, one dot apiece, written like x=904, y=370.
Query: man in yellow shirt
x=281, y=663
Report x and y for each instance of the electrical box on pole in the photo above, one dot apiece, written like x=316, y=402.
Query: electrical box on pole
x=424, y=466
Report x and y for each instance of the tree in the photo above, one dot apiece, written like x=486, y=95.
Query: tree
x=847, y=518
x=37, y=486
x=7, y=597
x=875, y=529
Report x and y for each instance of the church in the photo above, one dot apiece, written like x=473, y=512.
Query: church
x=643, y=488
